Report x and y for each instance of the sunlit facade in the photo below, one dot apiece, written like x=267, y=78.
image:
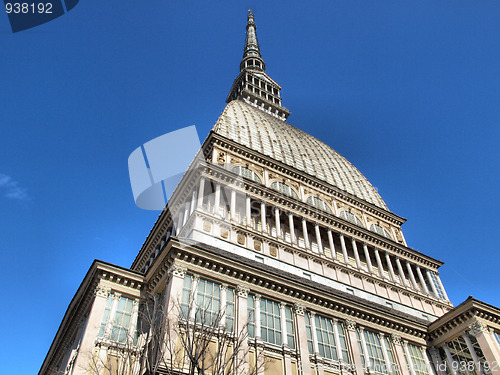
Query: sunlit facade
x=294, y=245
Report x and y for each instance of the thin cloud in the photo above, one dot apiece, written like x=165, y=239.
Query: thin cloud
x=11, y=189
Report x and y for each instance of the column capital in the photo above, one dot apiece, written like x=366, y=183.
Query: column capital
x=177, y=270
x=196, y=277
x=478, y=327
x=312, y=313
x=102, y=291
x=380, y=335
x=350, y=325
x=224, y=286
x=136, y=302
x=242, y=291
x=282, y=305
x=257, y=297
x=117, y=295
x=396, y=339
x=299, y=309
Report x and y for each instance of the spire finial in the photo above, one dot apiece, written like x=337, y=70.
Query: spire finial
x=251, y=56
x=253, y=85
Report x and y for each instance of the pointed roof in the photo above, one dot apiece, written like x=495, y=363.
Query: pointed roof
x=253, y=85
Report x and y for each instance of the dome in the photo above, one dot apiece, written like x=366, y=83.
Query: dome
x=270, y=136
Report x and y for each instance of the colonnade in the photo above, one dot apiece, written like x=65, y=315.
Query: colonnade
x=304, y=233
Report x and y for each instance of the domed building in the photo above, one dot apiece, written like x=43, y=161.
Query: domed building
x=275, y=255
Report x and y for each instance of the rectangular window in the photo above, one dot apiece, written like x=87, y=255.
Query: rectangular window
x=121, y=322
x=417, y=359
x=437, y=284
x=374, y=353
x=325, y=334
x=270, y=322
x=207, y=303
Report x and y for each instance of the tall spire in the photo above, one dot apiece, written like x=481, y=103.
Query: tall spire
x=251, y=55
x=253, y=85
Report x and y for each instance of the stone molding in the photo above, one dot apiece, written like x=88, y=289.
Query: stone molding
x=396, y=339
x=102, y=291
x=478, y=327
x=350, y=324
x=177, y=270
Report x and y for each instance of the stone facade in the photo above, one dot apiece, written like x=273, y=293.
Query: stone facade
x=296, y=247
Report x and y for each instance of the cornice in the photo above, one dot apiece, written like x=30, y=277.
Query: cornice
x=462, y=314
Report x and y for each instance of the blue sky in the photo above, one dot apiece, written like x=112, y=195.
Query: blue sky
x=406, y=91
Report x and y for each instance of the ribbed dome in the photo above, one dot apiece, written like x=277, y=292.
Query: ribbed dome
x=264, y=133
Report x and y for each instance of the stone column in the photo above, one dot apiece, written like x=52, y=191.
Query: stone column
x=331, y=243
x=242, y=327
x=422, y=280
x=173, y=296
x=472, y=352
x=412, y=277
x=356, y=254
x=300, y=323
x=91, y=330
x=186, y=213
x=389, y=265
x=314, y=334
x=318, y=238
x=449, y=358
x=401, y=272
x=133, y=322
x=194, y=293
x=180, y=220
x=233, y=204
x=344, y=249
x=193, y=201
x=277, y=221
x=427, y=363
x=257, y=299
x=379, y=264
x=350, y=326
x=223, y=302
x=368, y=362
x=399, y=354
x=367, y=257
x=387, y=361
x=292, y=228
x=306, y=235
x=436, y=359
x=487, y=345
x=433, y=287
x=248, y=210
x=201, y=193
x=263, y=216
x=217, y=199
x=340, y=355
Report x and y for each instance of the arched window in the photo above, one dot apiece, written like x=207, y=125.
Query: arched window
x=319, y=203
x=284, y=189
x=349, y=216
x=378, y=229
x=246, y=173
